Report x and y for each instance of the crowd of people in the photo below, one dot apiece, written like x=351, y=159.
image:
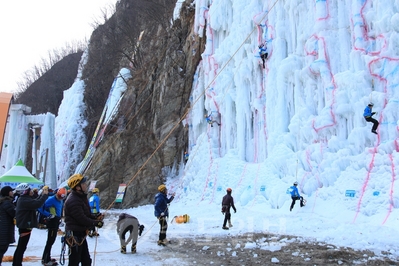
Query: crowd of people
x=25, y=208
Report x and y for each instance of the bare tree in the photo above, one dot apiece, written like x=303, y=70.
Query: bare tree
x=46, y=63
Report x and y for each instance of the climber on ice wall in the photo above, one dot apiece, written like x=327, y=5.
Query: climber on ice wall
x=368, y=113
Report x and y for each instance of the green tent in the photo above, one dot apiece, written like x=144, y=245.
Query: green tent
x=19, y=174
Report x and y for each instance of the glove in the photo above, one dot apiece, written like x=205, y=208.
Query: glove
x=100, y=224
x=162, y=214
x=373, y=113
x=141, y=228
x=235, y=211
x=51, y=216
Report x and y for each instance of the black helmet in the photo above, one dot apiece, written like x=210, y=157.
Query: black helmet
x=371, y=104
x=261, y=45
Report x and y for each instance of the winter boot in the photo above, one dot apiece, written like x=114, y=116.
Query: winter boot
x=133, y=248
x=123, y=249
x=51, y=262
x=290, y=209
x=161, y=243
x=225, y=228
x=374, y=131
x=230, y=225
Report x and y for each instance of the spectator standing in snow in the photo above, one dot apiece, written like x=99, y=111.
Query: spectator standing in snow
x=25, y=215
x=368, y=113
x=295, y=195
x=161, y=212
x=52, y=210
x=94, y=202
x=227, y=203
x=7, y=214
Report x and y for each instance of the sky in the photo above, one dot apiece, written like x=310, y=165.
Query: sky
x=299, y=119
x=31, y=29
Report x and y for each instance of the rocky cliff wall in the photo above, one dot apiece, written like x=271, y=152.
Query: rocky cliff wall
x=148, y=135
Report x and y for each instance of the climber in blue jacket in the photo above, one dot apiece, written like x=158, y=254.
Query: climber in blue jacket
x=368, y=113
x=295, y=195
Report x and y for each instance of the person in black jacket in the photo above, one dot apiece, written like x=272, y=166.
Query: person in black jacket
x=25, y=215
x=227, y=202
x=7, y=214
x=78, y=220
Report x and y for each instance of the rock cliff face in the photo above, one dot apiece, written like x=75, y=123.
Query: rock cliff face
x=148, y=136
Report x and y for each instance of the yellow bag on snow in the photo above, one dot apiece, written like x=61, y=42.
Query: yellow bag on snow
x=182, y=218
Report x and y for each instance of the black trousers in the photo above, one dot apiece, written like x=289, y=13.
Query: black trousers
x=24, y=236
x=374, y=121
x=51, y=236
x=295, y=199
x=163, y=227
x=79, y=253
x=264, y=57
x=3, y=250
x=227, y=217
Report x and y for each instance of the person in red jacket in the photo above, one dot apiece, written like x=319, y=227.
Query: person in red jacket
x=78, y=220
x=227, y=202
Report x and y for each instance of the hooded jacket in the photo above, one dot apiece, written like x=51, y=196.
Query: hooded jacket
x=7, y=214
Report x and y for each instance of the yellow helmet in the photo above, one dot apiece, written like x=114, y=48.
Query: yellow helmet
x=75, y=180
x=95, y=190
x=162, y=188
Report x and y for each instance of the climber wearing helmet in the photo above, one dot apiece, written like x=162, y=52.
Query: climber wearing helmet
x=161, y=212
x=295, y=195
x=78, y=220
x=94, y=202
x=368, y=113
x=227, y=202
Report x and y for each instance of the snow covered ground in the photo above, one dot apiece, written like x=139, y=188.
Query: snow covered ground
x=299, y=119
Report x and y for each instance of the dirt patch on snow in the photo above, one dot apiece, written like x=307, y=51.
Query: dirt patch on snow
x=261, y=249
